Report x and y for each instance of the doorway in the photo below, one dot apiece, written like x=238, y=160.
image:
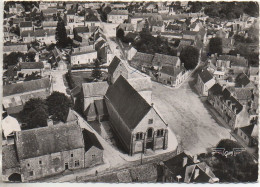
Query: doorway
x=66, y=166
x=149, y=145
x=15, y=177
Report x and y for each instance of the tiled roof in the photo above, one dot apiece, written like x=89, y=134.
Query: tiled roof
x=91, y=18
x=205, y=75
x=81, y=29
x=15, y=48
x=90, y=140
x=216, y=89
x=140, y=59
x=26, y=24
x=141, y=84
x=234, y=60
x=242, y=80
x=118, y=12
x=248, y=130
x=9, y=159
x=47, y=140
x=50, y=11
x=26, y=86
x=129, y=104
x=165, y=60
x=31, y=65
x=171, y=70
x=94, y=89
x=193, y=33
x=126, y=26
x=49, y=23
x=113, y=65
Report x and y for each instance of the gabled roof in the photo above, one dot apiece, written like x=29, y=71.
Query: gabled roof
x=234, y=60
x=113, y=65
x=27, y=86
x=171, y=70
x=94, y=89
x=15, y=48
x=118, y=12
x=50, y=11
x=9, y=159
x=47, y=140
x=31, y=65
x=248, y=130
x=126, y=26
x=101, y=107
x=141, y=84
x=71, y=116
x=91, y=18
x=26, y=24
x=205, y=75
x=161, y=59
x=10, y=125
x=242, y=80
x=90, y=140
x=129, y=104
x=81, y=29
x=140, y=59
x=193, y=33
x=216, y=89
x=90, y=112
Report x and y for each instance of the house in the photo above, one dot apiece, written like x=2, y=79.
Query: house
x=49, y=11
x=243, y=95
x=136, y=123
x=92, y=20
x=11, y=37
x=141, y=61
x=16, y=95
x=42, y=36
x=185, y=169
x=160, y=60
x=49, y=150
x=237, y=63
x=27, y=68
x=74, y=20
x=130, y=52
x=59, y=59
x=249, y=134
x=117, y=16
x=83, y=55
x=191, y=35
x=14, y=48
x=49, y=25
x=204, y=82
x=81, y=33
x=230, y=109
x=243, y=81
x=117, y=68
x=254, y=74
x=91, y=92
x=93, y=149
x=16, y=8
x=101, y=109
x=126, y=27
x=172, y=76
x=25, y=26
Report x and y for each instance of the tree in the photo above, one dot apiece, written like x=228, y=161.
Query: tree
x=229, y=145
x=120, y=33
x=33, y=76
x=34, y=113
x=96, y=72
x=189, y=56
x=215, y=46
x=61, y=34
x=58, y=106
x=12, y=58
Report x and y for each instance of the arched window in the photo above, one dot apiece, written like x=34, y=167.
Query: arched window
x=139, y=136
x=15, y=177
x=149, y=132
x=160, y=132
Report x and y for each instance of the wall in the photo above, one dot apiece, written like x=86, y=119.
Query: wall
x=120, y=70
x=208, y=85
x=85, y=58
x=93, y=157
x=119, y=126
x=51, y=164
x=243, y=136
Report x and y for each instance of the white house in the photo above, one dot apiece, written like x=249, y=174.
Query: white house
x=205, y=82
x=83, y=55
x=117, y=16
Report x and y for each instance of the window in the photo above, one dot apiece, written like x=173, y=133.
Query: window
x=139, y=136
x=71, y=155
x=28, y=165
x=76, y=163
x=31, y=173
x=150, y=121
x=40, y=162
x=160, y=132
x=150, y=133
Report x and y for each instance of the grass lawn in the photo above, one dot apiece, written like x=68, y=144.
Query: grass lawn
x=85, y=76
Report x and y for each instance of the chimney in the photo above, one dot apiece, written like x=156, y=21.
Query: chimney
x=196, y=174
x=49, y=122
x=195, y=160
x=185, y=160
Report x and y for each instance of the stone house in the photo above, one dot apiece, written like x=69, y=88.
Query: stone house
x=204, y=82
x=136, y=123
x=117, y=16
x=92, y=20
x=249, y=134
x=185, y=169
x=39, y=156
x=117, y=68
x=141, y=61
x=27, y=68
x=83, y=55
x=91, y=92
x=172, y=76
x=16, y=95
x=26, y=26
x=160, y=60
x=231, y=110
x=93, y=149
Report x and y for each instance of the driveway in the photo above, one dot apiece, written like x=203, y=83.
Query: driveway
x=186, y=115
